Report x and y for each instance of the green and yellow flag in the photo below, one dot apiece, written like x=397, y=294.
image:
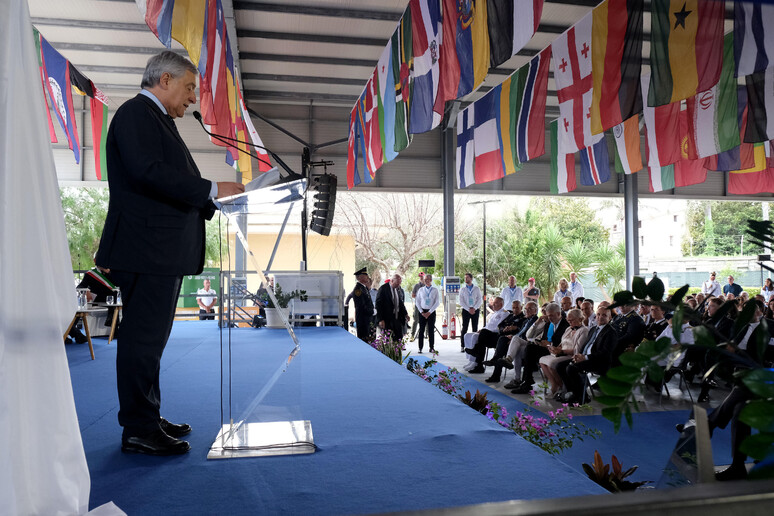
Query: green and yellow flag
x=686, y=50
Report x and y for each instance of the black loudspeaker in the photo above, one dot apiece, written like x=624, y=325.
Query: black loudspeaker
x=764, y=257
x=426, y=263
x=324, y=188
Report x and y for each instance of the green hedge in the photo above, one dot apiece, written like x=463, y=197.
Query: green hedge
x=753, y=291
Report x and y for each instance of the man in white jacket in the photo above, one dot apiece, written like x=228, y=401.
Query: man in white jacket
x=470, y=301
x=427, y=301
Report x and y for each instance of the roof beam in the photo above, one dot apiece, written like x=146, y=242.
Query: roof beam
x=90, y=24
x=331, y=12
x=313, y=38
x=302, y=78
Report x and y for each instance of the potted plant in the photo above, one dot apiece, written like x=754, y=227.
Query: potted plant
x=273, y=319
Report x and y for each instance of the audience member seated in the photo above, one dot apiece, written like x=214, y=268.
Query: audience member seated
x=579, y=301
x=531, y=353
x=732, y=288
x=530, y=324
x=571, y=345
x=595, y=357
x=562, y=291
x=768, y=290
x=589, y=317
x=644, y=311
x=566, y=304
x=629, y=327
x=507, y=327
x=770, y=309
x=657, y=323
x=513, y=354
x=510, y=327
x=486, y=337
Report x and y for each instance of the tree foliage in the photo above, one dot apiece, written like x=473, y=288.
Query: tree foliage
x=722, y=234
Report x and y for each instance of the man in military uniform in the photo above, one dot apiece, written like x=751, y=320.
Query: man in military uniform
x=630, y=329
x=364, y=307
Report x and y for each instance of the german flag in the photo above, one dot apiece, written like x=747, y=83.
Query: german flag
x=616, y=59
x=686, y=50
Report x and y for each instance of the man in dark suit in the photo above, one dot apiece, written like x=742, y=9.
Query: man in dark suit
x=630, y=329
x=391, y=312
x=364, y=306
x=153, y=235
x=595, y=357
x=533, y=352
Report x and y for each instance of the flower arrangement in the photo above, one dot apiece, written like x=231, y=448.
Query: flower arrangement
x=614, y=481
x=448, y=380
x=393, y=349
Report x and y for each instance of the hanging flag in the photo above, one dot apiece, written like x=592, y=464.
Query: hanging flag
x=426, y=26
x=472, y=44
x=530, y=88
x=99, y=129
x=353, y=174
x=188, y=23
x=686, y=48
x=507, y=125
x=60, y=93
x=628, y=158
x=464, y=158
x=264, y=162
x=386, y=104
x=511, y=24
x=211, y=47
x=746, y=183
x=760, y=107
x=487, y=144
x=661, y=178
x=712, y=114
x=595, y=162
x=572, y=75
x=741, y=156
x=402, y=61
x=562, y=165
x=448, y=64
x=373, y=138
x=158, y=17
x=616, y=50
x=44, y=83
x=662, y=130
x=753, y=38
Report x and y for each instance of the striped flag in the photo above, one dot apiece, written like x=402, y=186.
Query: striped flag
x=530, y=83
x=426, y=38
x=745, y=183
x=562, y=165
x=511, y=24
x=616, y=49
x=44, y=83
x=595, y=162
x=99, y=130
x=661, y=178
x=572, y=75
x=628, y=158
x=464, y=159
x=487, y=143
x=158, y=17
x=373, y=138
x=686, y=48
x=402, y=55
x=448, y=62
x=386, y=103
x=760, y=107
x=60, y=93
x=712, y=114
x=662, y=130
x=753, y=37
x=472, y=44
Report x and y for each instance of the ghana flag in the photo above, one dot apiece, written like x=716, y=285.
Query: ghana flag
x=686, y=50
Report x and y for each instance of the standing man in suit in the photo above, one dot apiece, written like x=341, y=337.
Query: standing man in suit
x=391, y=311
x=364, y=307
x=470, y=302
x=427, y=301
x=153, y=235
x=595, y=357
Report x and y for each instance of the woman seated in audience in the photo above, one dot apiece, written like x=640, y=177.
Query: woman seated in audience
x=767, y=291
x=579, y=301
x=572, y=341
x=769, y=314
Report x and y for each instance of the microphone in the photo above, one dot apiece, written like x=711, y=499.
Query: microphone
x=292, y=176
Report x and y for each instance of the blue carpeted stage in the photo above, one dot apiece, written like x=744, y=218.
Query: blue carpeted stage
x=387, y=440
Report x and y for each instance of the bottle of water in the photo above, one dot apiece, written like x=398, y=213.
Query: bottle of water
x=117, y=295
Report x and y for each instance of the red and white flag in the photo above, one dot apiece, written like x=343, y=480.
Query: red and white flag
x=572, y=75
x=662, y=125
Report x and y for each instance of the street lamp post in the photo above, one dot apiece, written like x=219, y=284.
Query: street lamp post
x=483, y=204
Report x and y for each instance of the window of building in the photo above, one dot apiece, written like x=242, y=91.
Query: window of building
x=642, y=241
x=675, y=218
x=671, y=240
x=639, y=224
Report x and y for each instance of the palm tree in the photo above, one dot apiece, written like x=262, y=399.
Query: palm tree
x=577, y=257
x=549, y=271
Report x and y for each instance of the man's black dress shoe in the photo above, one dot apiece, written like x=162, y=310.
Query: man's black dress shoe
x=155, y=443
x=505, y=363
x=732, y=473
x=478, y=369
x=489, y=362
x=174, y=430
x=493, y=379
x=680, y=427
x=524, y=388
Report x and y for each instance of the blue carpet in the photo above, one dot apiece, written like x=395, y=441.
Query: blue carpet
x=387, y=440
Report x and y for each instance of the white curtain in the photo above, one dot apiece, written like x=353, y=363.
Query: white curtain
x=42, y=463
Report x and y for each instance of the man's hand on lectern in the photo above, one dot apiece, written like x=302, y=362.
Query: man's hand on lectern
x=227, y=189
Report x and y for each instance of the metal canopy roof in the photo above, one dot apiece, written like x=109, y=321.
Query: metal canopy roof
x=303, y=64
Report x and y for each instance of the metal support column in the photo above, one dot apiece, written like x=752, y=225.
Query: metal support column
x=447, y=183
x=632, y=239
